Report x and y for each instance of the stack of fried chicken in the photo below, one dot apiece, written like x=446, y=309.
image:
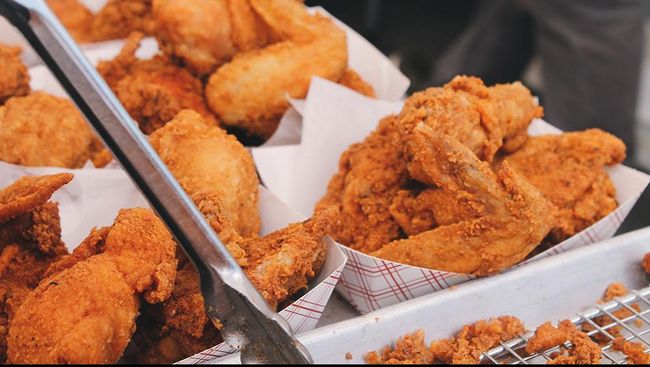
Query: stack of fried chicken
x=454, y=182
x=233, y=61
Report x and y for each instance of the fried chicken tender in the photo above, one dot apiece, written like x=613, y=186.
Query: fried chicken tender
x=14, y=78
x=216, y=171
x=634, y=351
x=352, y=80
x=409, y=349
x=250, y=91
x=582, y=351
x=30, y=240
x=85, y=311
x=153, y=91
x=44, y=130
x=568, y=170
x=475, y=339
x=514, y=215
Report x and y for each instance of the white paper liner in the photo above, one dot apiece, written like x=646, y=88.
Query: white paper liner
x=94, y=197
x=336, y=117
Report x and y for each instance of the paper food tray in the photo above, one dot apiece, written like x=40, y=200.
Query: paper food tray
x=336, y=117
x=548, y=290
x=95, y=196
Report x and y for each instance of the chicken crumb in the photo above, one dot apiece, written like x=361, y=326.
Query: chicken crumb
x=348, y=356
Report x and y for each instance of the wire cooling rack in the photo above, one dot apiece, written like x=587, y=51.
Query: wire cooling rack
x=635, y=327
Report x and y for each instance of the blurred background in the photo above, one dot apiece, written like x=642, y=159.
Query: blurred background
x=587, y=60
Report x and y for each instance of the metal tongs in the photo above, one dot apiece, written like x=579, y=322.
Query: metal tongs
x=247, y=322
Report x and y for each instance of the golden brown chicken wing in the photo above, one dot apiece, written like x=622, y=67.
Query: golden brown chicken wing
x=85, y=311
x=568, y=170
x=514, y=216
x=14, y=79
x=250, y=91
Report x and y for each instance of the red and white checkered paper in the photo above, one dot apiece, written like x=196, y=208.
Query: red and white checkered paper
x=333, y=119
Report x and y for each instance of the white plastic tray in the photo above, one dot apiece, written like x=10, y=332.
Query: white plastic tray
x=549, y=290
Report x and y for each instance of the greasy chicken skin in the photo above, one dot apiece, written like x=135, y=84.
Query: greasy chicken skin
x=568, y=170
x=44, y=130
x=14, y=78
x=30, y=240
x=382, y=194
x=153, y=91
x=84, y=311
x=514, y=216
x=216, y=171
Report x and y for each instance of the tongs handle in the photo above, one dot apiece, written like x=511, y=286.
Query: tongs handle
x=231, y=300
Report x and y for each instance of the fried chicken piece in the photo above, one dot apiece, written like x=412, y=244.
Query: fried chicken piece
x=216, y=171
x=475, y=339
x=281, y=263
x=44, y=130
x=409, y=349
x=30, y=240
x=14, y=78
x=250, y=91
x=568, y=170
x=634, y=351
x=198, y=33
x=352, y=80
x=484, y=119
x=370, y=175
x=514, y=217
x=153, y=91
x=546, y=337
x=75, y=17
x=85, y=312
x=582, y=351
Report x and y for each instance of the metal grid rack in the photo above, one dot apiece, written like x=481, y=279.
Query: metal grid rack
x=634, y=328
